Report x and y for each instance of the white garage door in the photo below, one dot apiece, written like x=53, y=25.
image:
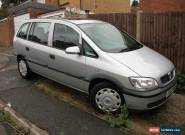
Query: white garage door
x=18, y=20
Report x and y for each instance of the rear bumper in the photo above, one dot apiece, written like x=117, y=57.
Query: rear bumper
x=150, y=99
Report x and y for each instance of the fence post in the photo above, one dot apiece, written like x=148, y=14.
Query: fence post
x=138, y=25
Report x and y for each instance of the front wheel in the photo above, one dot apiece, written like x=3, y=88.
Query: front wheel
x=23, y=69
x=106, y=98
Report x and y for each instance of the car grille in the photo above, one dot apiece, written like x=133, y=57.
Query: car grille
x=168, y=77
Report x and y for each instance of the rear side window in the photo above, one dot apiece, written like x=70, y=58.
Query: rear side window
x=64, y=37
x=23, y=31
x=39, y=32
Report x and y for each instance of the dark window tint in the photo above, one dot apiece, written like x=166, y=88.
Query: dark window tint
x=23, y=31
x=64, y=37
x=39, y=33
x=88, y=51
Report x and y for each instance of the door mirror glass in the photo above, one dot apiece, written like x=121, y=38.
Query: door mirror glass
x=73, y=50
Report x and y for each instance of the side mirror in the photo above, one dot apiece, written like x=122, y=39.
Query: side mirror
x=73, y=50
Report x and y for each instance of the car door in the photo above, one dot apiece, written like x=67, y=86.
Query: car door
x=20, y=40
x=37, y=47
x=66, y=68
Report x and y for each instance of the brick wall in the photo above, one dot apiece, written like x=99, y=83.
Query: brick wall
x=6, y=32
x=157, y=6
x=7, y=27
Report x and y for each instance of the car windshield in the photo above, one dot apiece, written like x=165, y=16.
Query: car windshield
x=109, y=38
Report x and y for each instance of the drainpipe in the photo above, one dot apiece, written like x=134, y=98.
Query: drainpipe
x=94, y=4
x=81, y=5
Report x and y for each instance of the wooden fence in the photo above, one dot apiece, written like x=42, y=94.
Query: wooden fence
x=125, y=22
x=163, y=32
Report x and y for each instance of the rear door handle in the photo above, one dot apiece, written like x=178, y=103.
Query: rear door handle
x=52, y=56
x=27, y=48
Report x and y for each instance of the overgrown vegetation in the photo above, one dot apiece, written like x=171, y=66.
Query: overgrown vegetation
x=121, y=119
x=61, y=133
x=180, y=82
x=5, y=118
x=3, y=13
x=6, y=3
x=135, y=3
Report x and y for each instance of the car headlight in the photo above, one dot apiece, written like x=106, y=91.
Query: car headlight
x=143, y=83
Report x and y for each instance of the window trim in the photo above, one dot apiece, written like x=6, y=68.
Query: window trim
x=27, y=31
x=80, y=45
x=33, y=23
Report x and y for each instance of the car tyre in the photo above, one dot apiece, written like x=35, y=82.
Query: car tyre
x=23, y=68
x=106, y=98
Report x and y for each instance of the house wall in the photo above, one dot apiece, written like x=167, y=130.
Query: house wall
x=100, y=6
x=6, y=32
x=157, y=6
x=107, y=6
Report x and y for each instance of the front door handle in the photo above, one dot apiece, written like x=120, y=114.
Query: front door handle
x=52, y=56
x=27, y=48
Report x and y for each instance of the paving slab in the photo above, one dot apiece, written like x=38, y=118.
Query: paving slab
x=3, y=61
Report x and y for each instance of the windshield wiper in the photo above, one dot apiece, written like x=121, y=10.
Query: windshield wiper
x=129, y=49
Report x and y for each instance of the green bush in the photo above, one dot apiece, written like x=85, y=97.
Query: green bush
x=120, y=119
x=180, y=82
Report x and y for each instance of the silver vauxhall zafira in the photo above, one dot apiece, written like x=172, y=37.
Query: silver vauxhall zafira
x=98, y=59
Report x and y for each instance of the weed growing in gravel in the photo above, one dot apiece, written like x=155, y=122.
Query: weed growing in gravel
x=5, y=118
x=121, y=119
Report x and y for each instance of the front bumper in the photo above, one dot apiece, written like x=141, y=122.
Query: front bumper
x=148, y=99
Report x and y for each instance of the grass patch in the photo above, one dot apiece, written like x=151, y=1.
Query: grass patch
x=5, y=118
x=61, y=133
x=180, y=82
x=120, y=120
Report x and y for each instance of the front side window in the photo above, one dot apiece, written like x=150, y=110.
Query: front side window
x=109, y=38
x=23, y=31
x=39, y=33
x=64, y=37
x=88, y=51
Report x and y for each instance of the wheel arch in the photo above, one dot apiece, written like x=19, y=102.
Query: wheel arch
x=97, y=80
x=19, y=56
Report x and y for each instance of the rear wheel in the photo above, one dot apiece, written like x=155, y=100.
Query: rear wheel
x=23, y=68
x=106, y=98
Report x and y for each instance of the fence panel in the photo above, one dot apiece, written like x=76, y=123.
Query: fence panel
x=125, y=22
x=165, y=33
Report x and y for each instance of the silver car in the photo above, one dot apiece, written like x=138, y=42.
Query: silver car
x=98, y=59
